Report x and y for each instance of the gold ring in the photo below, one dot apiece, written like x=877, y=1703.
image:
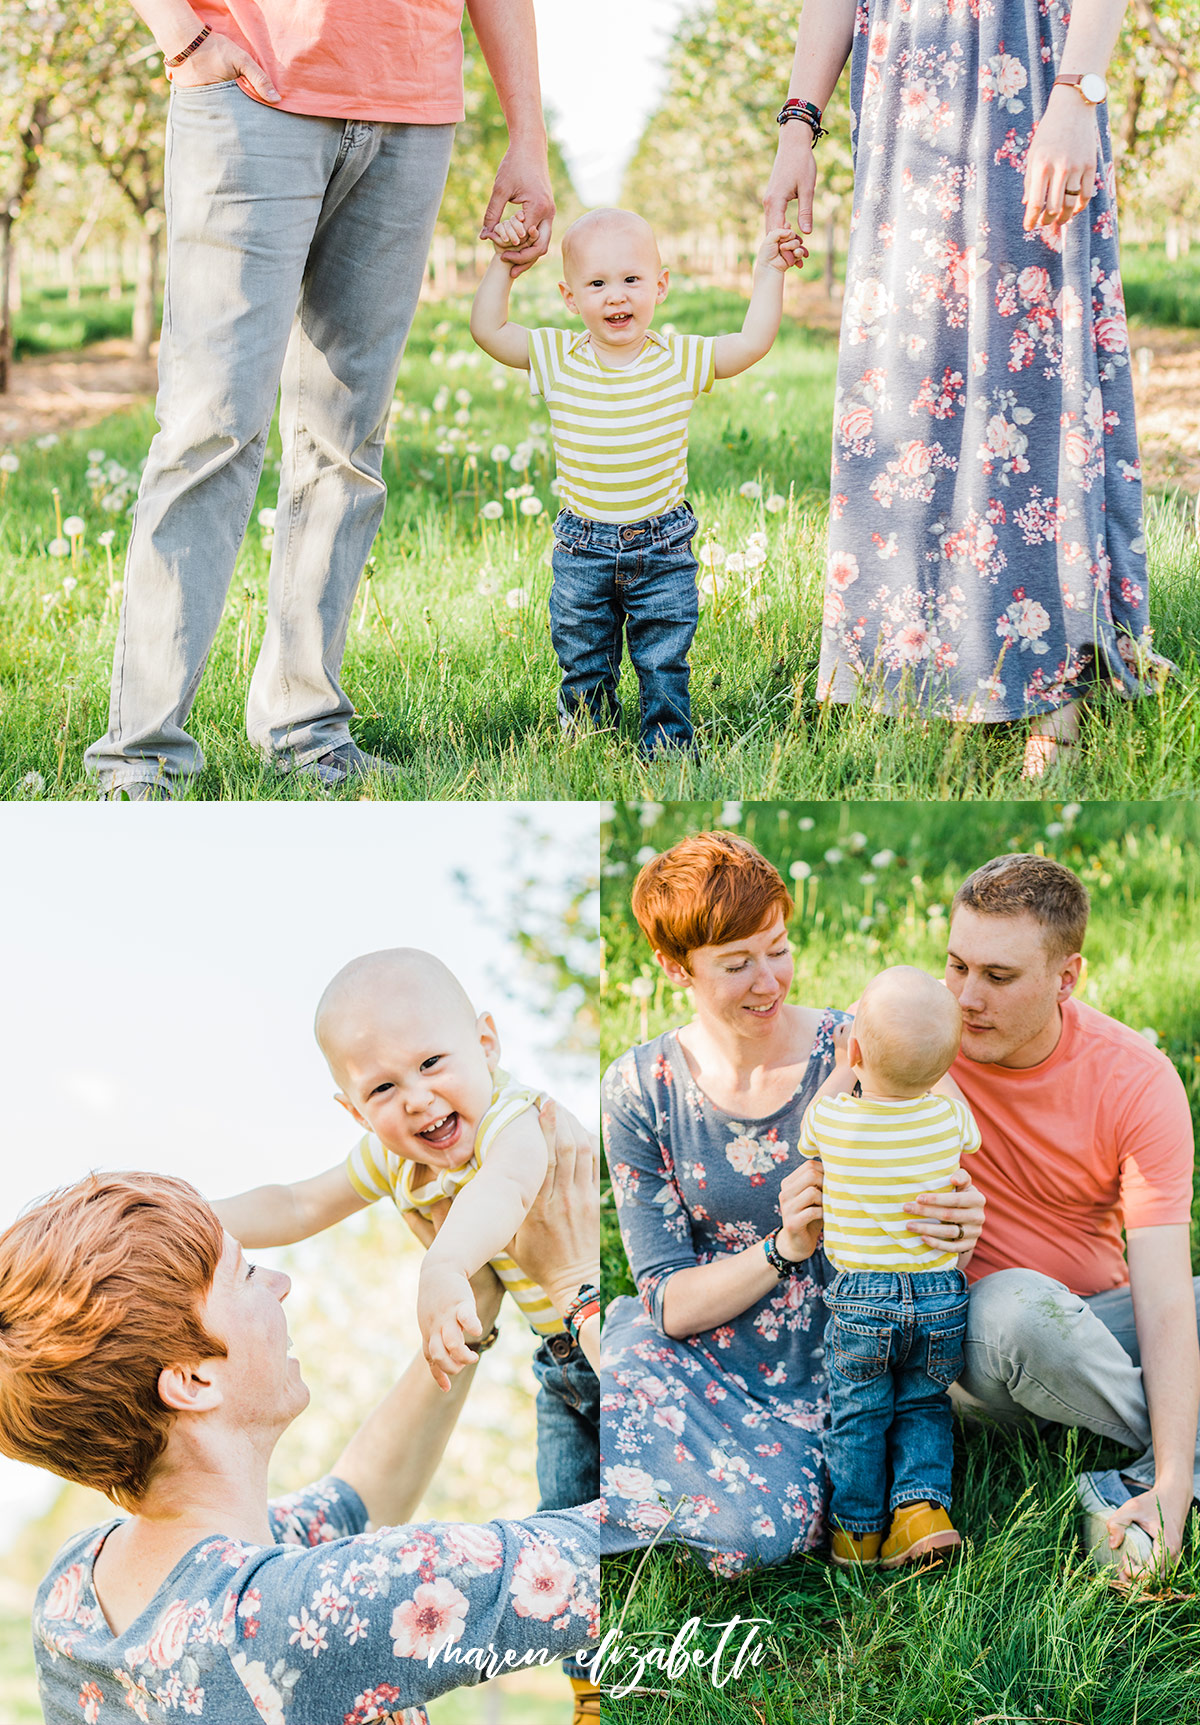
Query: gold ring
x=1072, y=191
x=962, y=1232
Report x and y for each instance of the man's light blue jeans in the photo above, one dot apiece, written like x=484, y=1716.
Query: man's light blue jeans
x=296, y=249
x=1033, y=1348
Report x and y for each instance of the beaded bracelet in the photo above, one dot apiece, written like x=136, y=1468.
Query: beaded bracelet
x=782, y=1266
x=178, y=59
x=794, y=109
x=585, y=1305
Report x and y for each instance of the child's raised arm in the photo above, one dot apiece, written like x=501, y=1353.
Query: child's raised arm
x=483, y=1219
x=778, y=252
x=490, y=328
x=281, y=1215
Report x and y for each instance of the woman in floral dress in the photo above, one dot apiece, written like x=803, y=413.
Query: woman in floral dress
x=986, y=553
x=205, y=1601
x=713, y=1397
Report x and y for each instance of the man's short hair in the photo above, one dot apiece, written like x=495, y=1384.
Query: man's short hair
x=101, y=1286
x=705, y=891
x=1022, y=884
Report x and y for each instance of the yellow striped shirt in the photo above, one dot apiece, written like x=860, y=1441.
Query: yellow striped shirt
x=620, y=433
x=878, y=1154
x=376, y=1172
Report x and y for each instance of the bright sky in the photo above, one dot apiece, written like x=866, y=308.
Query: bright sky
x=161, y=966
x=601, y=68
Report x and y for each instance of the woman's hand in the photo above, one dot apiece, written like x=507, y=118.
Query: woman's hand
x=215, y=61
x=794, y=175
x=800, y=1211
x=1060, y=169
x=558, y=1243
x=951, y=1220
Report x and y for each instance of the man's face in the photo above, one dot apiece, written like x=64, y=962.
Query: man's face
x=1009, y=987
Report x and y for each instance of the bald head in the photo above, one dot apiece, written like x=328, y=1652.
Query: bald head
x=908, y=1027
x=380, y=987
x=593, y=241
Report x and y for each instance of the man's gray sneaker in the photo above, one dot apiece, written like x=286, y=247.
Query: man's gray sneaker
x=338, y=766
x=1099, y=1494
x=139, y=791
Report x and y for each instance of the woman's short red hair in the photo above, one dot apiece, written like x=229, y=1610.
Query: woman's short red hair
x=101, y=1286
x=707, y=890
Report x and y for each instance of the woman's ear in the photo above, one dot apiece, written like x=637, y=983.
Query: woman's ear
x=673, y=970
x=352, y=1111
x=188, y=1389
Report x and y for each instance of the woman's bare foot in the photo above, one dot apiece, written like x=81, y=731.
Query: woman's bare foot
x=1050, y=739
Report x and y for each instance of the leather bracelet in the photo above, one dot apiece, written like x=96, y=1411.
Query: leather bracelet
x=585, y=1305
x=794, y=109
x=178, y=59
x=486, y=1342
x=782, y=1266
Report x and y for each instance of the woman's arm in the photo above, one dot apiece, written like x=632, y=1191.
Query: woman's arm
x=1066, y=142
x=823, y=41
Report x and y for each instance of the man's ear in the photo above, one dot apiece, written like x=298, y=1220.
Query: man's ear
x=569, y=298
x=1071, y=973
x=489, y=1040
x=189, y=1389
x=673, y=970
x=664, y=282
x=352, y=1110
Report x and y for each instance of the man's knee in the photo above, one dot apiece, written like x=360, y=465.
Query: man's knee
x=1019, y=1305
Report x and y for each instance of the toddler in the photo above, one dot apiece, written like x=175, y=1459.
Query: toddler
x=898, y=1306
x=418, y=1070
x=619, y=396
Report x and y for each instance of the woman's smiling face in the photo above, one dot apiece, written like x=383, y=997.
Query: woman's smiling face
x=742, y=983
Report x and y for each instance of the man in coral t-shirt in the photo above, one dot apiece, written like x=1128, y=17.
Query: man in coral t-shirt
x=1086, y=1129
x=307, y=149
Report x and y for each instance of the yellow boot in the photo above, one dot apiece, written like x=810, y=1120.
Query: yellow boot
x=918, y=1530
x=587, y=1700
x=855, y=1550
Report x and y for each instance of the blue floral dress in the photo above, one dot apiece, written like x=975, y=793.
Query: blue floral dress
x=986, y=552
x=330, y=1626
x=716, y=1437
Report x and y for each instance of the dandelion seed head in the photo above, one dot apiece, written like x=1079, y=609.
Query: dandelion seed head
x=750, y=489
x=775, y=503
x=530, y=506
x=10, y=463
x=106, y=538
x=500, y=452
x=492, y=511
x=517, y=598
x=73, y=526
x=33, y=784
x=800, y=870
x=59, y=548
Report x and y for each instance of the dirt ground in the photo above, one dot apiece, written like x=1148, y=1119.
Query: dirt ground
x=60, y=392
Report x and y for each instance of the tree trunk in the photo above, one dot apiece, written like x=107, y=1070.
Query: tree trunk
x=6, y=251
x=145, y=302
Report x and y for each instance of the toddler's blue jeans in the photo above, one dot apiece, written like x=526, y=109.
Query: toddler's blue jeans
x=634, y=580
x=893, y=1346
x=568, y=1432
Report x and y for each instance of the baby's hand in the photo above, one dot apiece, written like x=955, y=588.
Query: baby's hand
x=781, y=249
x=511, y=233
x=800, y=1213
x=449, y=1322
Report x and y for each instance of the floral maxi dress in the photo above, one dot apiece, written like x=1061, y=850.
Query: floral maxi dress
x=986, y=551
x=712, y=1439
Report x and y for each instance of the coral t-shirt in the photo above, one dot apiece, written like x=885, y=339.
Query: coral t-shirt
x=1096, y=1137
x=370, y=60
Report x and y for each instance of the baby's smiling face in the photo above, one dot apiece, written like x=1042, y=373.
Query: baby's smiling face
x=614, y=280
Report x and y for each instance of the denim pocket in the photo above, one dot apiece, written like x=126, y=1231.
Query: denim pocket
x=945, y=1360
x=203, y=89
x=860, y=1351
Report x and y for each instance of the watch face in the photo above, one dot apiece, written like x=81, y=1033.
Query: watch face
x=1093, y=87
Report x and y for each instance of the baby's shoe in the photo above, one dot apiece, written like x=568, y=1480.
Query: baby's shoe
x=918, y=1530
x=855, y=1550
x=587, y=1700
x=1099, y=1494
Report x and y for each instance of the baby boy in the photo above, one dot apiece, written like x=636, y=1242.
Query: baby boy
x=619, y=396
x=894, y=1341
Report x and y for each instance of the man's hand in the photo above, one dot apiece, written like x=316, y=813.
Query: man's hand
x=448, y=1321
x=951, y=1220
x=1163, y=1520
x=523, y=178
x=216, y=60
x=800, y=1212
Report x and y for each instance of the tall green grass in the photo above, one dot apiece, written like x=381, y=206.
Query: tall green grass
x=449, y=660
x=1020, y=1630
x=1159, y=291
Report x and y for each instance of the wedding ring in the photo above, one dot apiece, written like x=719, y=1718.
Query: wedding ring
x=1072, y=191
x=962, y=1232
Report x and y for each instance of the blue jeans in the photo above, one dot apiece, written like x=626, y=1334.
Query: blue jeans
x=568, y=1433
x=893, y=1346
x=635, y=580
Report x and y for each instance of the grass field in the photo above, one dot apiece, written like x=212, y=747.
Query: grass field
x=1020, y=1632
x=1158, y=291
x=449, y=659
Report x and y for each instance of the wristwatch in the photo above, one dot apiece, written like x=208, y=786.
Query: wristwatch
x=782, y=1266
x=1091, y=86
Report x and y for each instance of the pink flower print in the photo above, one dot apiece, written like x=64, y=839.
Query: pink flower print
x=1023, y=622
x=543, y=1583
x=63, y=1598
x=867, y=304
x=193, y=1699
x=370, y=1704
x=622, y=1481
x=843, y=570
x=673, y=1418
x=309, y=1631
x=837, y=505
x=1077, y=448
x=915, y=459
x=430, y=1620
x=912, y=643
x=1069, y=307
x=1000, y=80
x=856, y=423
x=723, y=1335
x=877, y=47
x=475, y=1548
x=647, y=1517
x=764, y=1527
x=1033, y=285
x=169, y=1638
x=90, y=1697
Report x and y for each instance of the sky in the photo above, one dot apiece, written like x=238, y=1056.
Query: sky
x=161, y=965
x=601, y=69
